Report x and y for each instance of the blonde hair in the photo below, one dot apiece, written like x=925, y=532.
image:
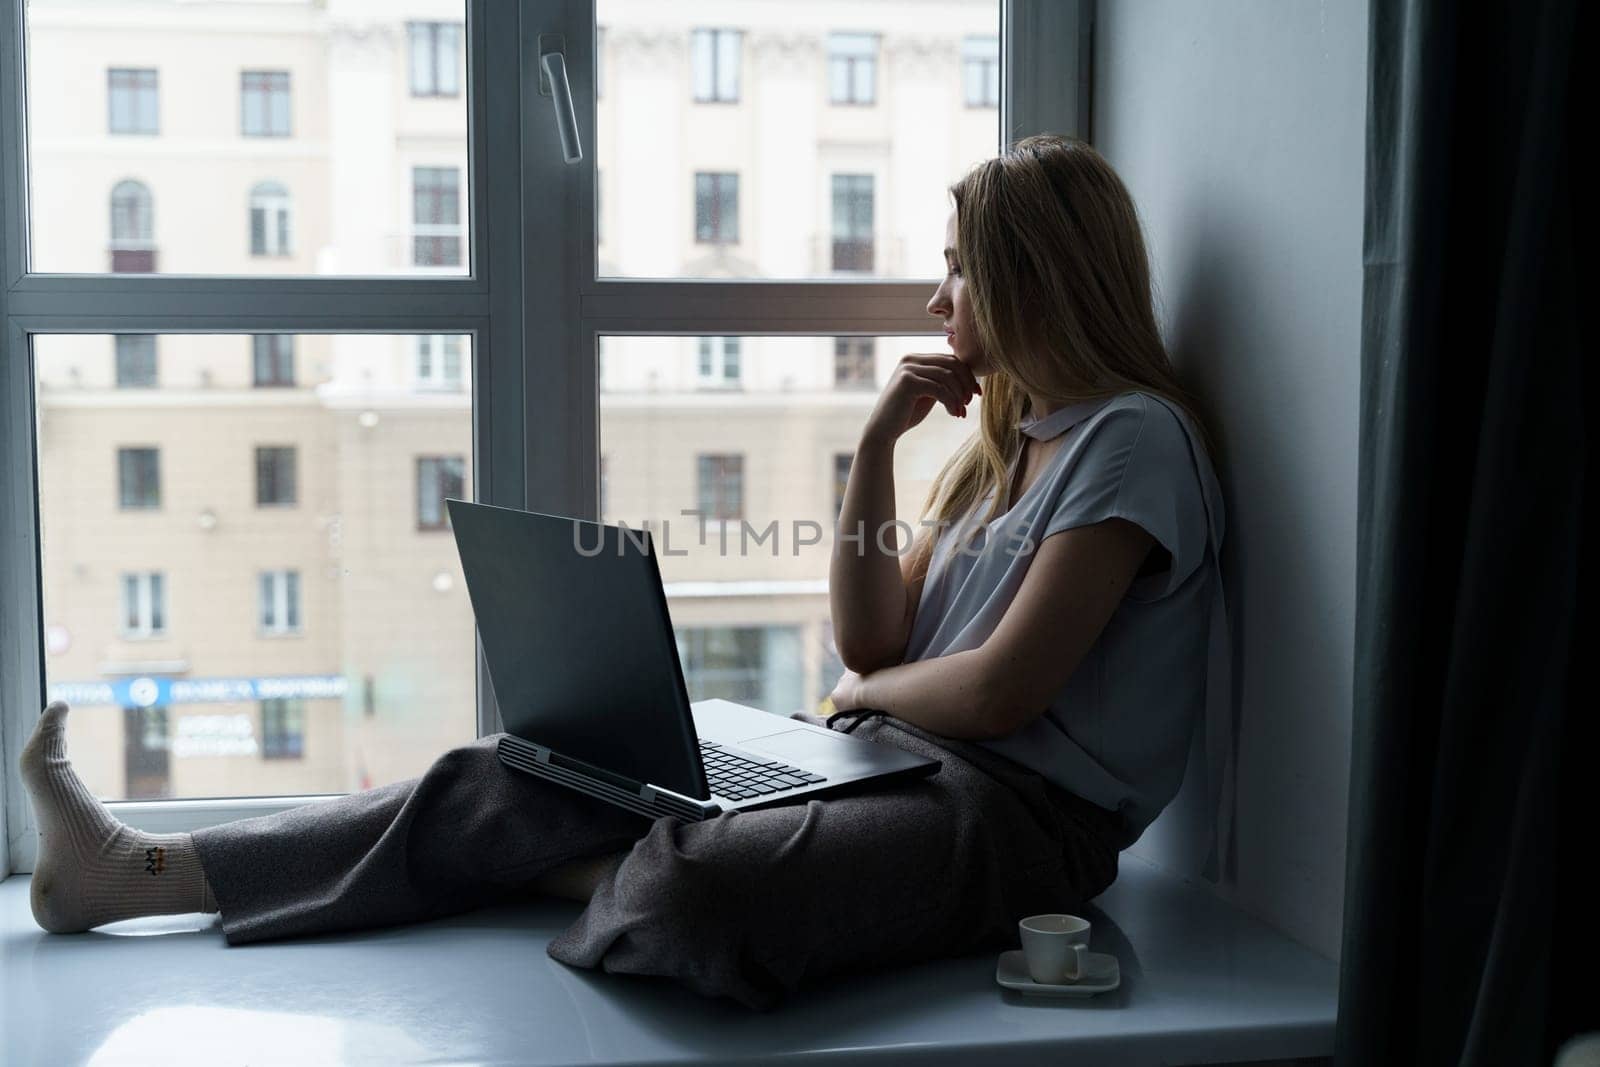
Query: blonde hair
x=1054, y=260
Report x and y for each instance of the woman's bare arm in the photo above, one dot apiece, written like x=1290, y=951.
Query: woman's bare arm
x=868, y=595
x=1073, y=586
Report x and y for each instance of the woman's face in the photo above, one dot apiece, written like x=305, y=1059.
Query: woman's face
x=950, y=304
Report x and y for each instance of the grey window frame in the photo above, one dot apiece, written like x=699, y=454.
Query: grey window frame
x=534, y=330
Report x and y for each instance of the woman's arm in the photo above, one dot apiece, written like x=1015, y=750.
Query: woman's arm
x=1072, y=588
x=869, y=595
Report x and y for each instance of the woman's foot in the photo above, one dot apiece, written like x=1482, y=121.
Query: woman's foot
x=92, y=868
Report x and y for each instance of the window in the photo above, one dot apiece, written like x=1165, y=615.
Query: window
x=852, y=222
x=275, y=475
x=721, y=661
x=980, y=71
x=147, y=751
x=269, y=220
x=283, y=728
x=133, y=249
x=436, y=216
x=272, y=359
x=138, y=478
x=280, y=602
x=264, y=103
x=714, y=56
x=439, y=361
x=852, y=68
x=855, y=362
x=841, y=479
x=720, y=485
x=136, y=360
x=716, y=208
x=131, y=100
x=435, y=58
x=438, y=479
x=755, y=665
x=144, y=604
x=718, y=363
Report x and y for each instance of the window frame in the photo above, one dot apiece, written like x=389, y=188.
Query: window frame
x=266, y=100
x=288, y=610
x=532, y=448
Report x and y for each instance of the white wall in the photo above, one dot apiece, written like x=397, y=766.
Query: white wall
x=1238, y=126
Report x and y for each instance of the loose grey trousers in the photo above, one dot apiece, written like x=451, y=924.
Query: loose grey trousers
x=748, y=905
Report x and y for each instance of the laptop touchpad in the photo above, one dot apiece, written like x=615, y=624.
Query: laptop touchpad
x=802, y=747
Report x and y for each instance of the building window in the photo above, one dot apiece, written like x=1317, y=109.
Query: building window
x=436, y=216
x=264, y=103
x=438, y=478
x=269, y=220
x=716, y=208
x=714, y=56
x=722, y=661
x=720, y=482
x=273, y=359
x=439, y=361
x=852, y=222
x=133, y=246
x=435, y=58
x=275, y=475
x=144, y=604
x=136, y=360
x=138, y=478
x=280, y=602
x=132, y=100
x=283, y=729
x=718, y=364
x=980, y=71
x=147, y=752
x=852, y=68
x=855, y=362
x=841, y=479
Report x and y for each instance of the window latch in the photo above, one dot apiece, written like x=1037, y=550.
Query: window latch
x=553, y=83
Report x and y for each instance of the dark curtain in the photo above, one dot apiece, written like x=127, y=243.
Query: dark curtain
x=1469, y=936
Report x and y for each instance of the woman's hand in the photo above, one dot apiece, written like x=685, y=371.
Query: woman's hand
x=920, y=380
x=846, y=696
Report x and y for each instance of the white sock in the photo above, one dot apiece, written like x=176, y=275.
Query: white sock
x=93, y=868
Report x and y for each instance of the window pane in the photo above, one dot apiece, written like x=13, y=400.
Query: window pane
x=186, y=113
x=751, y=95
x=168, y=589
x=750, y=603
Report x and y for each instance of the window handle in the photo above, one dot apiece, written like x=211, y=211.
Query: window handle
x=553, y=83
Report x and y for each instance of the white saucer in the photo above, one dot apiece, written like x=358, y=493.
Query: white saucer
x=1102, y=975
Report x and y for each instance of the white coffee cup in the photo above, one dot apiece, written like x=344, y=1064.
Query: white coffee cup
x=1056, y=947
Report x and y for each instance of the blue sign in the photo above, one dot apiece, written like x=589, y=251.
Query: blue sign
x=151, y=692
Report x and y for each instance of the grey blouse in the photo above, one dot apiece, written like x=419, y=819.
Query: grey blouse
x=1118, y=733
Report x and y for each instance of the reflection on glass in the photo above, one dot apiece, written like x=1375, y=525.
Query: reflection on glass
x=764, y=460
x=250, y=587
x=768, y=140
x=297, y=137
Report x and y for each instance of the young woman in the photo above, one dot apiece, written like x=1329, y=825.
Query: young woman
x=1044, y=638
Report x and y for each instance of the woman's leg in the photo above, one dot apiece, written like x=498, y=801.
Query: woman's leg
x=752, y=905
x=469, y=831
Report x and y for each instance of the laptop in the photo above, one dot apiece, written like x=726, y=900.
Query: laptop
x=581, y=654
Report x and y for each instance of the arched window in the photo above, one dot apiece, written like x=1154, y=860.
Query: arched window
x=133, y=248
x=269, y=220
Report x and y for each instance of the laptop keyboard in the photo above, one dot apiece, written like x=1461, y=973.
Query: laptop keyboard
x=738, y=777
